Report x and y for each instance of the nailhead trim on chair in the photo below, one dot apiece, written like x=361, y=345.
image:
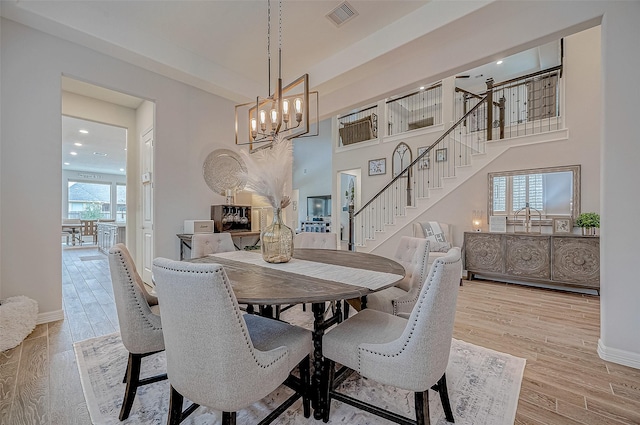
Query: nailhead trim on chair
x=132, y=291
x=395, y=304
x=438, y=263
x=247, y=338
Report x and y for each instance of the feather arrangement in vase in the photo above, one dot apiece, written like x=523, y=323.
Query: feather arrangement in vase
x=267, y=176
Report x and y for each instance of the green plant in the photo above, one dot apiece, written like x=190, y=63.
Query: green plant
x=92, y=211
x=589, y=219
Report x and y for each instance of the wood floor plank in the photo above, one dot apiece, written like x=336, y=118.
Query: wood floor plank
x=578, y=413
x=31, y=401
x=67, y=399
x=8, y=379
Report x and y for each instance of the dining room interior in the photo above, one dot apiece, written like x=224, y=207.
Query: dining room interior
x=374, y=190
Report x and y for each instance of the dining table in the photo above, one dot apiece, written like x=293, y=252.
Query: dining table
x=314, y=276
x=74, y=231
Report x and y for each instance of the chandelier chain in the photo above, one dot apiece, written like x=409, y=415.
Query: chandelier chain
x=269, y=46
x=280, y=39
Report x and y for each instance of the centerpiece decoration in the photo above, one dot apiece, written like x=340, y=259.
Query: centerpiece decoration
x=267, y=175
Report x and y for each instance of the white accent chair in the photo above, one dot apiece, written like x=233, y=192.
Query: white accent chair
x=203, y=244
x=139, y=319
x=218, y=357
x=316, y=240
x=411, y=354
x=413, y=254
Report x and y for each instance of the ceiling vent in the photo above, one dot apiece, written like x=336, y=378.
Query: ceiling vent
x=341, y=14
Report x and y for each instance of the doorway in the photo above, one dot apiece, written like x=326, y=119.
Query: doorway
x=101, y=111
x=349, y=190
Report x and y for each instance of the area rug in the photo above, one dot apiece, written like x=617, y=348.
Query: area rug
x=484, y=386
x=17, y=319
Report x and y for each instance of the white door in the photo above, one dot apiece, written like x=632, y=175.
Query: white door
x=146, y=154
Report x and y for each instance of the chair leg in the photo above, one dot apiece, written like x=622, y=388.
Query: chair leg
x=305, y=379
x=330, y=370
x=422, y=408
x=133, y=379
x=441, y=387
x=175, y=407
x=228, y=418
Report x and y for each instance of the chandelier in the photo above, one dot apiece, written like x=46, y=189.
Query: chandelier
x=285, y=112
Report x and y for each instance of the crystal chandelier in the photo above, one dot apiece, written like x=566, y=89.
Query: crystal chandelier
x=285, y=112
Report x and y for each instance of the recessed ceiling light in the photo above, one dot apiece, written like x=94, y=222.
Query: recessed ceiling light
x=122, y=169
x=78, y=144
x=73, y=153
x=84, y=131
x=66, y=163
x=421, y=87
x=499, y=63
x=100, y=153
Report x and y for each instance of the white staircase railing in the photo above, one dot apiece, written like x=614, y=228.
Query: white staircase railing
x=452, y=150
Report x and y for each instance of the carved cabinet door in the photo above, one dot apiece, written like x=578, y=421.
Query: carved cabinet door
x=577, y=260
x=483, y=252
x=528, y=256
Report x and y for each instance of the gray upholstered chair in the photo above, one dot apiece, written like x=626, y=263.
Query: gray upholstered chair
x=139, y=319
x=218, y=357
x=203, y=244
x=316, y=240
x=411, y=354
x=413, y=254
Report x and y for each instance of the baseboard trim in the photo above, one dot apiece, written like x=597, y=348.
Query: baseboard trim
x=625, y=358
x=50, y=316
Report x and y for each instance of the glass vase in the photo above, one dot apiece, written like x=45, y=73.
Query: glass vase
x=277, y=240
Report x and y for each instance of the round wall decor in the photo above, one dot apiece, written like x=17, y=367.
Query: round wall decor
x=222, y=170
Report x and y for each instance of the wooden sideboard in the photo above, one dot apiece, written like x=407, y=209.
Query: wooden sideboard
x=110, y=234
x=560, y=260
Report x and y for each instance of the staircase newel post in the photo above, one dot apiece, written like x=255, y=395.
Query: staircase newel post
x=408, y=186
x=352, y=246
x=490, y=109
x=503, y=101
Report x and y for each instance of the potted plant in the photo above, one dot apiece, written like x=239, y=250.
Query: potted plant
x=589, y=222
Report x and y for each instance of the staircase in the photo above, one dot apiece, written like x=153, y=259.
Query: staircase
x=389, y=215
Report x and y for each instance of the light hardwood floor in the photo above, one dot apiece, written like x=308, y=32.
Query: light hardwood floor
x=565, y=382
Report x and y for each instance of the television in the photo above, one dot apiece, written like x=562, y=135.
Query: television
x=319, y=206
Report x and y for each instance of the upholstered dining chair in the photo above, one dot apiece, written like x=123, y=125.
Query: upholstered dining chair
x=316, y=240
x=413, y=254
x=411, y=354
x=139, y=319
x=203, y=244
x=218, y=357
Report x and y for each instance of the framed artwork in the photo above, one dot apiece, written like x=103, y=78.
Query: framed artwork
x=424, y=162
x=498, y=223
x=377, y=166
x=562, y=225
x=441, y=155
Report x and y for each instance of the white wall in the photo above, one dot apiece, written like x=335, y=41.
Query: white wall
x=620, y=151
x=311, y=173
x=189, y=124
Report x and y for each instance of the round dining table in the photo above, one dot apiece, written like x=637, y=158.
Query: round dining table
x=315, y=276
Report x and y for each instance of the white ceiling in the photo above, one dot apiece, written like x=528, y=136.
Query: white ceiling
x=102, y=150
x=220, y=45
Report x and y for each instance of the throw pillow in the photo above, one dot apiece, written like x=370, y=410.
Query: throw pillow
x=439, y=246
x=434, y=233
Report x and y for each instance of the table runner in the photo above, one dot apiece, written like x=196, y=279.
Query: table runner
x=348, y=275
